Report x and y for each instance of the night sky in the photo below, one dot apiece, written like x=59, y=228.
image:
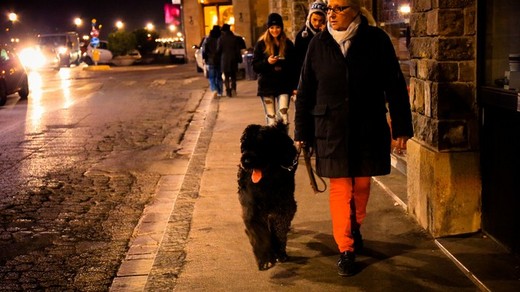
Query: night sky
x=44, y=16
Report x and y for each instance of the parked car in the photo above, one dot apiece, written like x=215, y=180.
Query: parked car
x=177, y=52
x=200, y=65
x=13, y=76
x=105, y=55
x=199, y=61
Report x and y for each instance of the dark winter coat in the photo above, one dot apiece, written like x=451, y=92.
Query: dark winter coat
x=209, y=48
x=341, y=103
x=278, y=78
x=209, y=51
x=228, y=48
x=301, y=43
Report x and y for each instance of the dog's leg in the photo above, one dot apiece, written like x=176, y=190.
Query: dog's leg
x=280, y=225
x=259, y=236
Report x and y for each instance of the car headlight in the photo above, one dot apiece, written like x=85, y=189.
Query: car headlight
x=62, y=50
x=31, y=58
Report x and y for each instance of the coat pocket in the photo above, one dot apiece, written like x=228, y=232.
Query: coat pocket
x=329, y=128
x=320, y=121
x=329, y=120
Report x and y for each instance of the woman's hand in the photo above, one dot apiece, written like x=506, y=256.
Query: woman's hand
x=400, y=146
x=272, y=59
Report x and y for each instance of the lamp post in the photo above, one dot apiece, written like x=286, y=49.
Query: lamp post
x=78, y=22
x=12, y=17
x=120, y=25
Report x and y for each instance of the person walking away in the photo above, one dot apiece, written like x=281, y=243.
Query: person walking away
x=229, y=50
x=212, y=60
x=315, y=22
x=274, y=60
x=350, y=74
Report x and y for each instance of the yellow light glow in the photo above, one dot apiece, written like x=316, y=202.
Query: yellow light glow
x=78, y=22
x=405, y=9
x=13, y=17
x=65, y=76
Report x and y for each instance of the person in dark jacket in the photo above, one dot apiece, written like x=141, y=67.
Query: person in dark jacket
x=228, y=47
x=314, y=23
x=274, y=61
x=350, y=74
x=212, y=60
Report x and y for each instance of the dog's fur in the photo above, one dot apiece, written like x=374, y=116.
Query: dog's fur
x=268, y=206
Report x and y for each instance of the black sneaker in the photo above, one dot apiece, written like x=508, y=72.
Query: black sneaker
x=358, y=241
x=347, y=264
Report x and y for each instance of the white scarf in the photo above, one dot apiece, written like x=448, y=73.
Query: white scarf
x=342, y=37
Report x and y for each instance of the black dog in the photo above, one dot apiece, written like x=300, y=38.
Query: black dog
x=266, y=190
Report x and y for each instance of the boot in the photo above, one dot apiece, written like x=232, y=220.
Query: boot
x=228, y=93
x=347, y=264
x=358, y=241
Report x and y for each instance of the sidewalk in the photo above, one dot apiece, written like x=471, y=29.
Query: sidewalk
x=204, y=248
x=399, y=254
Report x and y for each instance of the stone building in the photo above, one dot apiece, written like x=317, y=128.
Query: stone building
x=462, y=63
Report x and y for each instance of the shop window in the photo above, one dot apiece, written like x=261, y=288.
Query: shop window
x=502, y=45
x=218, y=15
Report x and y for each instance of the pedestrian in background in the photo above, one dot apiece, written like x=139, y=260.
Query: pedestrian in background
x=315, y=22
x=349, y=75
x=228, y=47
x=212, y=60
x=274, y=60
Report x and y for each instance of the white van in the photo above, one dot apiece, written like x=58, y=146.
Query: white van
x=60, y=49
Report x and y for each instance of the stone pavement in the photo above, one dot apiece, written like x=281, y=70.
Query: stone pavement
x=195, y=240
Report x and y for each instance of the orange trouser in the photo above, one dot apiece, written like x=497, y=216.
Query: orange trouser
x=342, y=190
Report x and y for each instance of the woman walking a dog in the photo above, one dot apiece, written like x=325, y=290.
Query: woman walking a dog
x=351, y=72
x=274, y=60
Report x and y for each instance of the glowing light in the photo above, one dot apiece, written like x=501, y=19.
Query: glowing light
x=32, y=58
x=78, y=22
x=65, y=86
x=119, y=24
x=13, y=17
x=37, y=109
x=405, y=9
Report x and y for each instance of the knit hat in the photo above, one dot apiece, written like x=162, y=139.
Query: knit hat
x=226, y=27
x=318, y=7
x=274, y=19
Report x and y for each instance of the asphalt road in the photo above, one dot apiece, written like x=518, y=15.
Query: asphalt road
x=79, y=161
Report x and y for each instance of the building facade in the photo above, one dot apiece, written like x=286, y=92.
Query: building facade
x=461, y=59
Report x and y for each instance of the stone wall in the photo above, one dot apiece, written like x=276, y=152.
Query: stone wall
x=444, y=151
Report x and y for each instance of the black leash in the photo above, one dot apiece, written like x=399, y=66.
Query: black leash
x=310, y=170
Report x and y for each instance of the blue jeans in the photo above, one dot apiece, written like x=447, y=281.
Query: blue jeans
x=215, y=79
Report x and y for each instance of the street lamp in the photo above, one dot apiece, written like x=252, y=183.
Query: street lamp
x=13, y=17
x=119, y=24
x=149, y=26
x=78, y=22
